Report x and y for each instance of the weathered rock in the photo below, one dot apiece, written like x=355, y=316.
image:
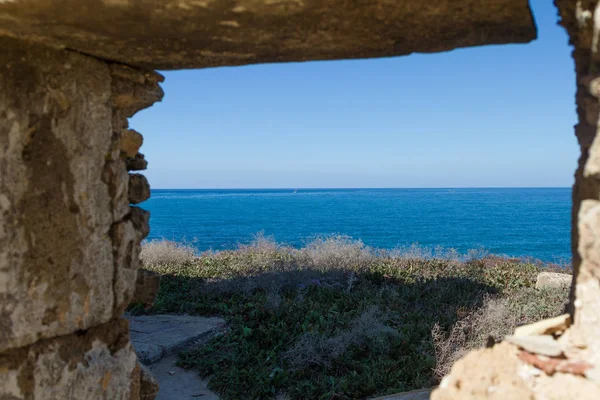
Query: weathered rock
x=56, y=263
x=565, y=386
x=491, y=373
x=132, y=90
x=92, y=365
x=131, y=141
x=148, y=384
x=543, y=344
x=69, y=241
x=581, y=21
x=552, y=365
x=194, y=34
x=141, y=222
x=126, y=250
x=139, y=188
x=548, y=280
x=146, y=287
x=136, y=163
x=545, y=327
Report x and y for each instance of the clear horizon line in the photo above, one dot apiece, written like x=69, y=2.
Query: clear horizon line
x=368, y=188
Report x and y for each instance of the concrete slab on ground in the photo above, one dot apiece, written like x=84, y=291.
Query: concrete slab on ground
x=157, y=336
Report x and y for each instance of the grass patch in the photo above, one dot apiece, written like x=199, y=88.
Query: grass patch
x=339, y=320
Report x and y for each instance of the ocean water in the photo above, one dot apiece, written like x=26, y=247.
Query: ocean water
x=515, y=222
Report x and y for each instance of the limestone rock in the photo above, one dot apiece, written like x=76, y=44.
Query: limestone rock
x=141, y=222
x=136, y=163
x=543, y=344
x=139, y=188
x=132, y=90
x=95, y=365
x=173, y=34
x=148, y=384
x=565, y=386
x=545, y=327
x=146, y=287
x=56, y=262
x=548, y=280
x=126, y=253
x=131, y=141
x=491, y=373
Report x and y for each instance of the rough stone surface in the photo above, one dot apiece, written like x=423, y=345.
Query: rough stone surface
x=565, y=386
x=139, y=188
x=491, y=373
x=136, y=163
x=56, y=262
x=155, y=336
x=97, y=364
x=175, y=34
x=499, y=373
x=146, y=288
x=549, y=326
x=540, y=344
x=548, y=280
x=69, y=241
x=131, y=141
x=141, y=221
x=148, y=384
x=581, y=19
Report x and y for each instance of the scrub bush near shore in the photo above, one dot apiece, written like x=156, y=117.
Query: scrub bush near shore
x=339, y=320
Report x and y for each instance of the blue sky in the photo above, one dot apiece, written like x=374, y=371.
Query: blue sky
x=494, y=116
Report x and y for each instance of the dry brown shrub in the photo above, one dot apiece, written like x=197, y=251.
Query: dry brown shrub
x=496, y=319
x=166, y=252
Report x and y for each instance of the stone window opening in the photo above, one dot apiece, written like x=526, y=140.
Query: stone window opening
x=70, y=77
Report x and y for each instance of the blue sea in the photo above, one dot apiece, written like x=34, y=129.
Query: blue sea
x=514, y=222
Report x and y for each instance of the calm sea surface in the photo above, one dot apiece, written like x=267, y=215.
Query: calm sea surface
x=514, y=222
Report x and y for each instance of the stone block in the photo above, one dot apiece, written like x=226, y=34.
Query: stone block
x=146, y=287
x=56, y=261
x=174, y=34
x=131, y=141
x=139, y=188
x=136, y=163
x=549, y=280
x=126, y=252
x=141, y=221
x=98, y=364
x=148, y=384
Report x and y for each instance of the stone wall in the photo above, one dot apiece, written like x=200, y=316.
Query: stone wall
x=582, y=22
x=69, y=240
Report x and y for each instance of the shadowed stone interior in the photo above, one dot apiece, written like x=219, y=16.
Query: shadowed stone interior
x=175, y=34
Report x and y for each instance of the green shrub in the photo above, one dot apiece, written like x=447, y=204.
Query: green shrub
x=339, y=320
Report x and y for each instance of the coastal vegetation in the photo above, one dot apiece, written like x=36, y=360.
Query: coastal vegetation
x=339, y=320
